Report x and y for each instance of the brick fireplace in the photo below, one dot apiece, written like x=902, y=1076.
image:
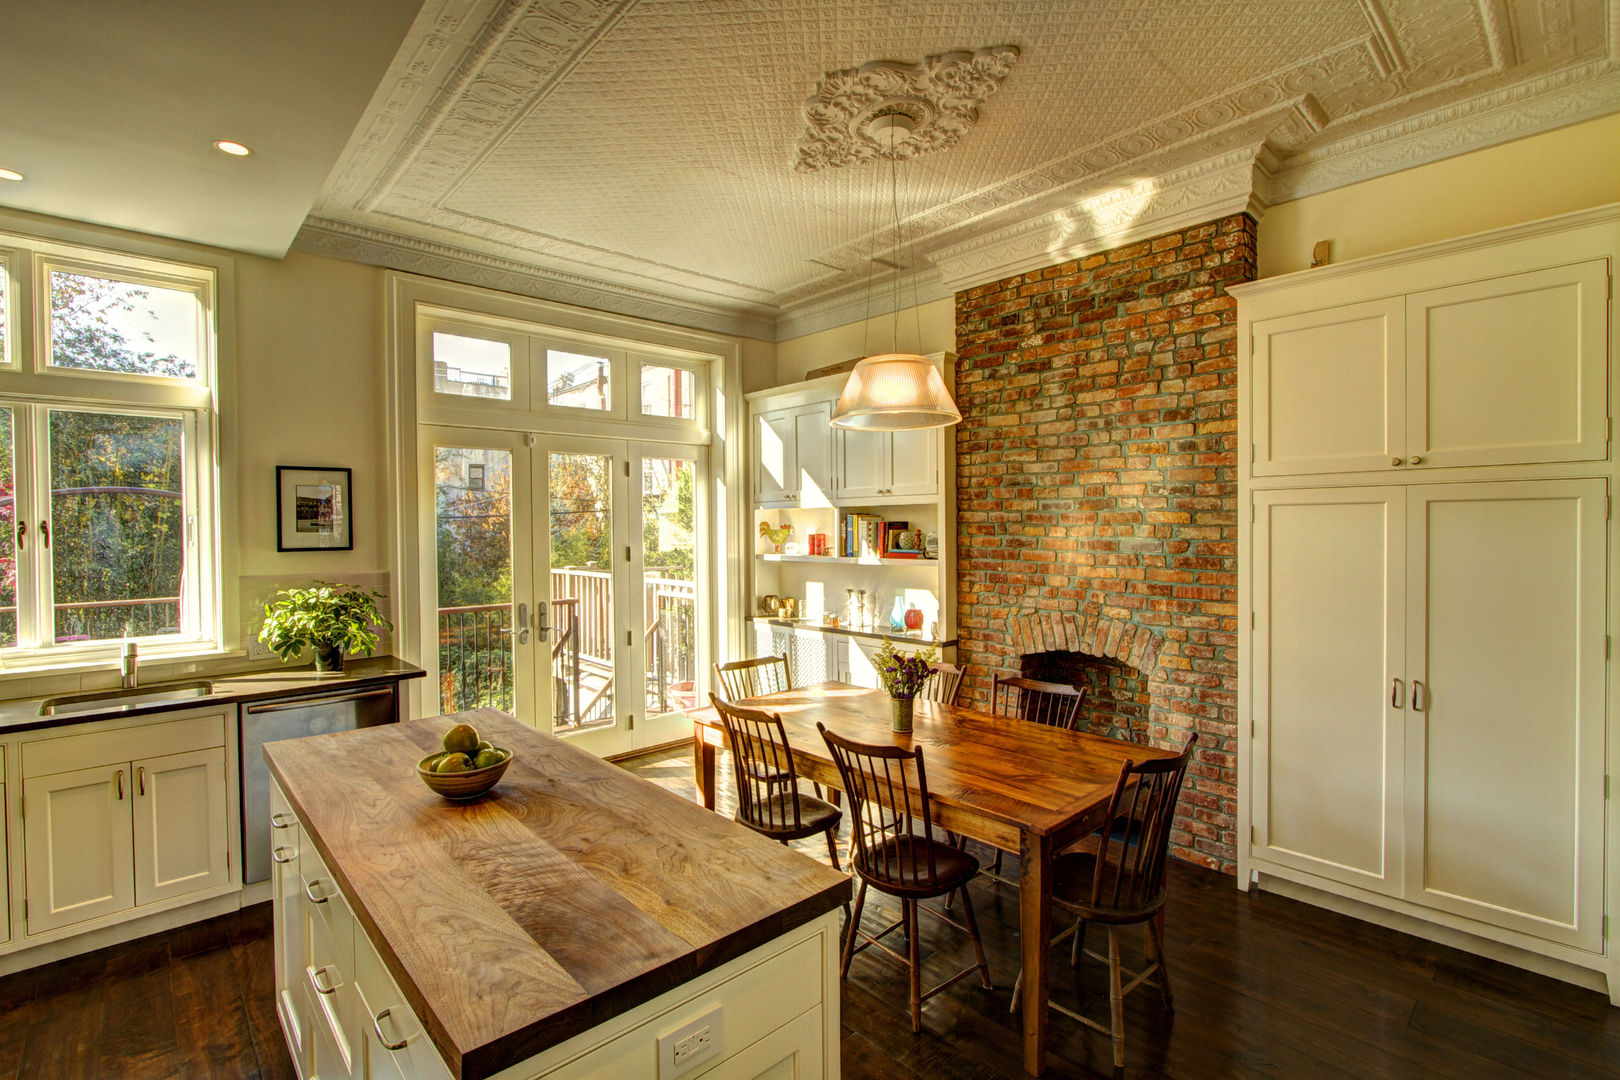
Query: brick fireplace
x=1097, y=497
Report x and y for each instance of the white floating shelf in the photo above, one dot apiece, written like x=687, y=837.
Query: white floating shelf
x=847, y=560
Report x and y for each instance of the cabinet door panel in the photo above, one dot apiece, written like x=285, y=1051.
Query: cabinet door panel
x=1328, y=390
x=863, y=464
x=180, y=824
x=1505, y=765
x=1511, y=370
x=776, y=466
x=914, y=462
x=1327, y=647
x=813, y=438
x=76, y=843
x=287, y=903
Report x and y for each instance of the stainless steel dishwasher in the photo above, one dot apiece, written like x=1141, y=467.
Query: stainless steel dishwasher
x=293, y=718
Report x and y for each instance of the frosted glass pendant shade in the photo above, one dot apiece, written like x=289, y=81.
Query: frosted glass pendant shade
x=895, y=392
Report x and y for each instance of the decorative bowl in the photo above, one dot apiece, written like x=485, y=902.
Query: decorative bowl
x=461, y=786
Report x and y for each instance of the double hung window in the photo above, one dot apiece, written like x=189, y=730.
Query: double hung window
x=108, y=432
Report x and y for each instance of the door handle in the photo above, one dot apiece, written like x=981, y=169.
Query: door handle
x=1397, y=694
x=523, y=624
x=541, y=628
x=1420, y=697
x=22, y=535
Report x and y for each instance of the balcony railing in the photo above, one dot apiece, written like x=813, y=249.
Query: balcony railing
x=103, y=620
x=475, y=649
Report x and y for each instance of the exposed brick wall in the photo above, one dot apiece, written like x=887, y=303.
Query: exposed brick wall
x=1097, y=487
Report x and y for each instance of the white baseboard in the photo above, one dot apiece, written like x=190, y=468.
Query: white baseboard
x=51, y=951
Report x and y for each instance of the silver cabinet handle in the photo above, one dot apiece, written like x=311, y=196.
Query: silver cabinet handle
x=278, y=820
x=282, y=854
x=376, y=1025
x=1420, y=697
x=315, y=980
x=1397, y=694
x=309, y=891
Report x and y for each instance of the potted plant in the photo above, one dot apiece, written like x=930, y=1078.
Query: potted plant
x=331, y=618
x=902, y=675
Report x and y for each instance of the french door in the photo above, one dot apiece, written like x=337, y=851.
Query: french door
x=560, y=575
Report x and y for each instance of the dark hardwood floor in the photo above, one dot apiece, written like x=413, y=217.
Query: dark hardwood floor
x=1265, y=987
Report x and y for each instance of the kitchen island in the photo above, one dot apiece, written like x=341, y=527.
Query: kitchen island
x=576, y=921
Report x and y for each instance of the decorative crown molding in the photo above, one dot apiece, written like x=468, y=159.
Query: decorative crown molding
x=940, y=98
x=375, y=248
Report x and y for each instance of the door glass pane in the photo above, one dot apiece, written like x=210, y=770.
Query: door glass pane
x=471, y=367
x=472, y=498
x=577, y=381
x=8, y=533
x=102, y=324
x=669, y=586
x=581, y=489
x=5, y=335
x=117, y=525
x=667, y=391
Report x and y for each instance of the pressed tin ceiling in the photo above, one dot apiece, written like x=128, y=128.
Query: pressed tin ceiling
x=639, y=155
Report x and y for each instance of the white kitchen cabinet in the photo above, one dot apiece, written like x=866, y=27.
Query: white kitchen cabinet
x=286, y=900
x=5, y=849
x=793, y=455
x=123, y=818
x=877, y=465
x=1428, y=696
x=78, y=846
x=181, y=840
x=1507, y=370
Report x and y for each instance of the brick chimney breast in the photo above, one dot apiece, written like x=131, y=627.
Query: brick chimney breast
x=1096, y=479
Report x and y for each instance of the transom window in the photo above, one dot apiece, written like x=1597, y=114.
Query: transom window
x=107, y=424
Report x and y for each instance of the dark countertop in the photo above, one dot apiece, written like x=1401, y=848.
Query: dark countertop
x=571, y=893
x=22, y=714
x=899, y=637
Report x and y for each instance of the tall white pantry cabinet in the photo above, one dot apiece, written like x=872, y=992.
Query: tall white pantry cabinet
x=1428, y=576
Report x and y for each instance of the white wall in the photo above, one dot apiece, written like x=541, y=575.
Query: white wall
x=927, y=328
x=1573, y=168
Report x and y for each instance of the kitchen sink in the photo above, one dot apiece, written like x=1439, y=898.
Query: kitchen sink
x=108, y=700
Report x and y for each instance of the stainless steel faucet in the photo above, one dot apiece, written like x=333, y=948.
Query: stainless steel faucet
x=130, y=665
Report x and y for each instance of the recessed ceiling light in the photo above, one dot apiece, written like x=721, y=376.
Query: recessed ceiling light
x=10, y=174
x=235, y=149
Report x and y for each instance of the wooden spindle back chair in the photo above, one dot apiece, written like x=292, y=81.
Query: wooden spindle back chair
x=768, y=796
x=1049, y=703
x=887, y=788
x=754, y=677
x=943, y=684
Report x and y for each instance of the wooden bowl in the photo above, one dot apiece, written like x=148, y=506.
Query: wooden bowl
x=461, y=786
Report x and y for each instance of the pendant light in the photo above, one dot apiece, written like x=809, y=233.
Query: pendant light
x=894, y=391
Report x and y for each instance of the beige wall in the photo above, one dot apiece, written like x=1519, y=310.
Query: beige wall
x=929, y=328
x=1561, y=171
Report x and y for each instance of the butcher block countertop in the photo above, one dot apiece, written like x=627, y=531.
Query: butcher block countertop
x=571, y=893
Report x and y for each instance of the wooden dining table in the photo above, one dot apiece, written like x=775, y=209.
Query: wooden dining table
x=1018, y=786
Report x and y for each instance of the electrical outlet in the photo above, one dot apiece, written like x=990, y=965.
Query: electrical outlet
x=693, y=1044
x=258, y=650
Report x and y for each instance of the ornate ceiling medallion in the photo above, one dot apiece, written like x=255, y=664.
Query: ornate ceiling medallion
x=852, y=115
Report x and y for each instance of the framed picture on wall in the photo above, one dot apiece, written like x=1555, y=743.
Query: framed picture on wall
x=313, y=509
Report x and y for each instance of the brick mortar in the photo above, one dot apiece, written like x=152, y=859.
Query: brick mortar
x=1097, y=479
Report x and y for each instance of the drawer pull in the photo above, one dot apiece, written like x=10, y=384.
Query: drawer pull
x=315, y=981
x=376, y=1025
x=119, y=776
x=309, y=891
x=278, y=820
x=282, y=854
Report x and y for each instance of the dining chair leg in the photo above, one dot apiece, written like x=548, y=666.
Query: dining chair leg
x=995, y=868
x=916, y=965
x=973, y=936
x=854, y=929
x=1116, y=1003
x=832, y=848
x=1157, y=923
x=1079, y=945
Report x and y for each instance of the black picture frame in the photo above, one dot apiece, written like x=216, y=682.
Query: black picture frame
x=314, y=508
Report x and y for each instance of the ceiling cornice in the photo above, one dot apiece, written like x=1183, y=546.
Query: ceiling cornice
x=376, y=248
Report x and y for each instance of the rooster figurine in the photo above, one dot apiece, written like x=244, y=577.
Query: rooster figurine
x=776, y=536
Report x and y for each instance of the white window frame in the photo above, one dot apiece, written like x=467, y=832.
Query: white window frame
x=31, y=387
